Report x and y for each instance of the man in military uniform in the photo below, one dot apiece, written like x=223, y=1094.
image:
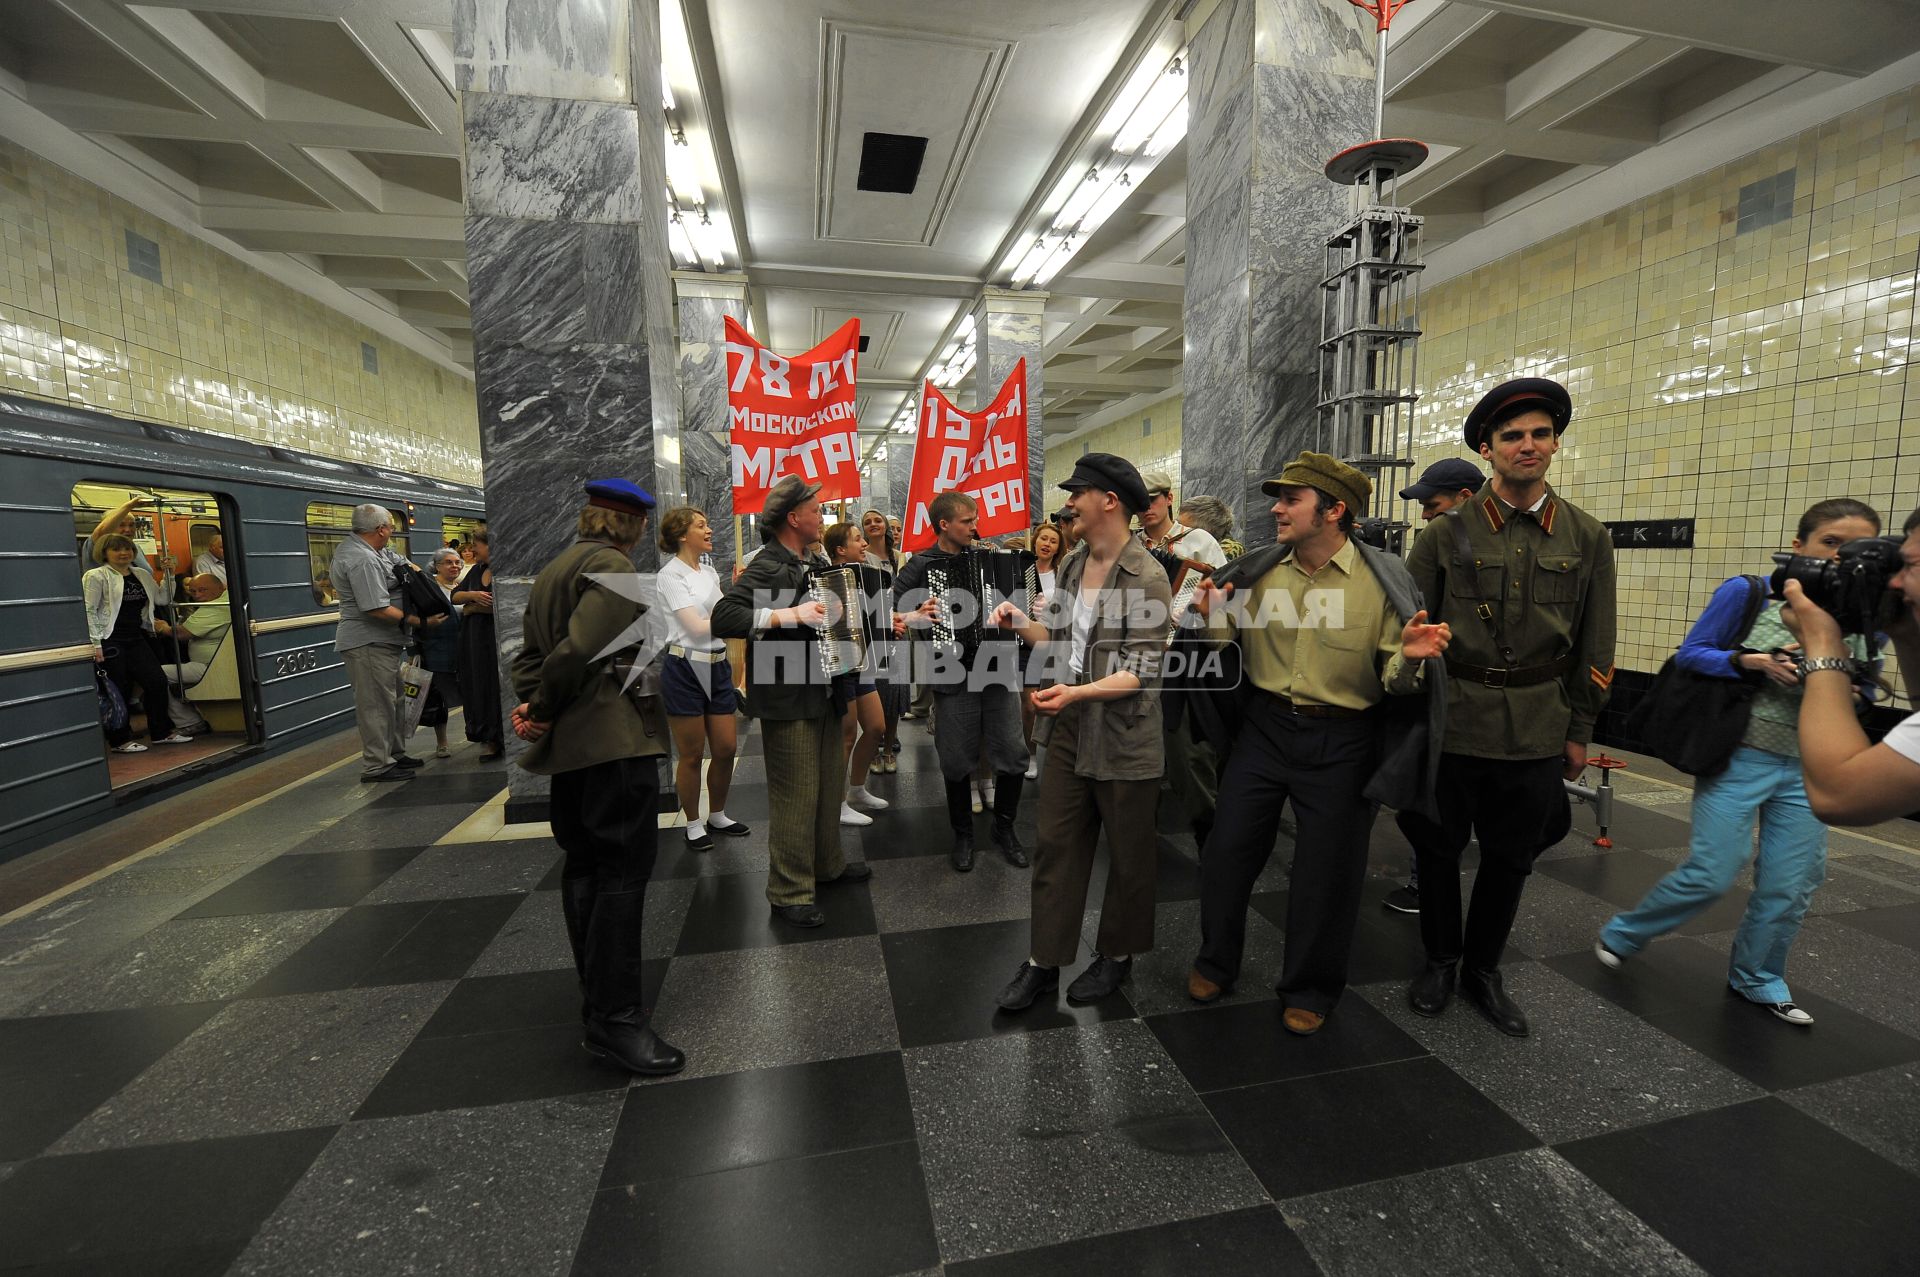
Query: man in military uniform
x=1525, y=580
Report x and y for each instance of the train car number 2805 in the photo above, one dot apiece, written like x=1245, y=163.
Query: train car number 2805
x=299, y=661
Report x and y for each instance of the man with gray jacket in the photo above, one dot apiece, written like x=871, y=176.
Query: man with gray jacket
x=1330, y=631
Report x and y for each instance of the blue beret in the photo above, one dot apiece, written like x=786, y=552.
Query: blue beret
x=619, y=494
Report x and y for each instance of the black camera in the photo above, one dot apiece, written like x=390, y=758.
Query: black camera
x=1851, y=586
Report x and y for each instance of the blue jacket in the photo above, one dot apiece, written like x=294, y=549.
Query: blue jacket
x=1712, y=646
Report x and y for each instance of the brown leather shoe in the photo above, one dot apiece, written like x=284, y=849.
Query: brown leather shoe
x=1301, y=1022
x=1203, y=990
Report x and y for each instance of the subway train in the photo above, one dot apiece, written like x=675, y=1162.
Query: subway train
x=259, y=675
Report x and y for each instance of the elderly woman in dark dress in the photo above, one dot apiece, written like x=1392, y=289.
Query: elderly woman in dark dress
x=479, y=652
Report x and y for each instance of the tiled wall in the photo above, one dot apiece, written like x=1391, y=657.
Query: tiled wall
x=1737, y=350
x=1156, y=449
x=214, y=346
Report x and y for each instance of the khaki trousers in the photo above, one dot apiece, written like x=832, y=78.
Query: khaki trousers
x=373, y=672
x=1073, y=811
x=806, y=770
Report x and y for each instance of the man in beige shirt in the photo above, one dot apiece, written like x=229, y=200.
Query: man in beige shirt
x=1328, y=629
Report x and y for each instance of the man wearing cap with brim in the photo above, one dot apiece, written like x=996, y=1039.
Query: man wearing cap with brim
x=1101, y=635
x=602, y=746
x=1335, y=651
x=1441, y=487
x=770, y=606
x=1526, y=579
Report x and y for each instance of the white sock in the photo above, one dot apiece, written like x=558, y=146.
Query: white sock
x=696, y=829
x=718, y=819
x=858, y=791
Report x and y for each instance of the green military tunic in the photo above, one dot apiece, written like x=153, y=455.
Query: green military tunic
x=1539, y=592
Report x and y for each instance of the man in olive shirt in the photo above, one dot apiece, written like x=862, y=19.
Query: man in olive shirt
x=1526, y=580
x=1328, y=629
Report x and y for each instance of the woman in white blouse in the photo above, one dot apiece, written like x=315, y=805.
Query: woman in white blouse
x=696, y=681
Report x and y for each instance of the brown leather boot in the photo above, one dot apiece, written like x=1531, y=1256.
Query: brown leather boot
x=1203, y=990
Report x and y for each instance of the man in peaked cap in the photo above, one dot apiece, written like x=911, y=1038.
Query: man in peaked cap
x=1336, y=646
x=603, y=748
x=1526, y=580
x=770, y=606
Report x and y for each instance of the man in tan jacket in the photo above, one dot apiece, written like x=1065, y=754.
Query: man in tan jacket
x=603, y=750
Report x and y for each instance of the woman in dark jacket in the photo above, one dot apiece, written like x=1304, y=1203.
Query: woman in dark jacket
x=438, y=650
x=479, y=660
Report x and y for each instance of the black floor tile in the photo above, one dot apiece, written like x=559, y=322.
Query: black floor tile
x=1622, y=878
x=431, y=788
x=1898, y=923
x=1666, y=977
x=305, y=882
x=748, y=802
x=211, y=1259
x=856, y=1214
x=56, y=1069
x=374, y=827
x=403, y=943
x=1311, y=1134
x=1244, y=1043
x=944, y=982
x=899, y=832
x=730, y=911
x=525, y=1000
x=1760, y=1188
x=129, y=1202
x=1746, y=1038
x=736, y=1120
x=1254, y=1242
x=1386, y=946
x=476, y=1069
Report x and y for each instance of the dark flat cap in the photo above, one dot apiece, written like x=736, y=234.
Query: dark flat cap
x=786, y=494
x=619, y=494
x=1104, y=472
x=1511, y=398
x=1450, y=475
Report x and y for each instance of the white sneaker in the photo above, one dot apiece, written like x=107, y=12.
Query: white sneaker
x=1608, y=958
x=178, y=738
x=979, y=803
x=131, y=747
x=859, y=797
x=1790, y=1013
x=1033, y=765
x=987, y=794
x=848, y=816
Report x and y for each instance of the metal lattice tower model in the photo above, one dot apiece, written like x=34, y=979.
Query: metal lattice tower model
x=1369, y=311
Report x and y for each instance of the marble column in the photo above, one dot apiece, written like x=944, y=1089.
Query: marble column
x=566, y=224
x=1009, y=325
x=1274, y=88
x=704, y=303
x=899, y=474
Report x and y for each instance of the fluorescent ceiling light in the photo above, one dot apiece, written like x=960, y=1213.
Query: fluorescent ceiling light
x=1169, y=91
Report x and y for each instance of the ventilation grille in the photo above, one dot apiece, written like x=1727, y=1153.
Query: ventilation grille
x=143, y=256
x=890, y=162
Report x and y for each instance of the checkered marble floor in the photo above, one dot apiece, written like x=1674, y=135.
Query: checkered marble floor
x=336, y=1032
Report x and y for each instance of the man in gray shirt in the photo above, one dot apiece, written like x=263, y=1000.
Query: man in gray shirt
x=372, y=641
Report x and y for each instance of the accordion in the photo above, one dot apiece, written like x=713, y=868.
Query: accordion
x=1186, y=578
x=966, y=587
x=841, y=641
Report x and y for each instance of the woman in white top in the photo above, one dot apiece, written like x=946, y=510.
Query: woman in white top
x=119, y=598
x=696, y=680
x=895, y=681
x=1046, y=544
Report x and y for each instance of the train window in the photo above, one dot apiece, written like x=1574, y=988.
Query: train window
x=328, y=524
x=177, y=672
x=460, y=528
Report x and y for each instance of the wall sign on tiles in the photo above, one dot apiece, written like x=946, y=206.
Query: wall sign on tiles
x=1651, y=534
x=983, y=454
x=792, y=416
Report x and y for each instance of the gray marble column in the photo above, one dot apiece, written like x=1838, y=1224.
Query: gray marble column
x=567, y=262
x=1274, y=89
x=899, y=475
x=705, y=302
x=1009, y=325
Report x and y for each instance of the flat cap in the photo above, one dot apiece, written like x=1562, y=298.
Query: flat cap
x=1330, y=475
x=619, y=494
x=1450, y=475
x=786, y=494
x=1104, y=472
x=1511, y=398
x=1157, y=481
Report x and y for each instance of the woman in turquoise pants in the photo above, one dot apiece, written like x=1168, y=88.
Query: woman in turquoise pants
x=1762, y=783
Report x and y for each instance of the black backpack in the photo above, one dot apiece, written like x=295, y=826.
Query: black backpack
x=1692, y=721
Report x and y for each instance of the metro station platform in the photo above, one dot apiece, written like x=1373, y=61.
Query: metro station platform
x=311, y=1026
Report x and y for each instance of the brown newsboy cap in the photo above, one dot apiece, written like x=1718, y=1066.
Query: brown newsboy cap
x=1335, y=478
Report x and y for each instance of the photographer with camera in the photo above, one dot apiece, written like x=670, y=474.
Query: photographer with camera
x=1849, y=780
x=1742, y=636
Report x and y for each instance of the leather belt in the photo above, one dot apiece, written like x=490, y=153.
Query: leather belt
x=1315, y=711
x=1521, y=676
x=696, y=654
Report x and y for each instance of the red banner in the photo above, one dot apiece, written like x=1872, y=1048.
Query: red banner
x=984, y=454
x=792, y=416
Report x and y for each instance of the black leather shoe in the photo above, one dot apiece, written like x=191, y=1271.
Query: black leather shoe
x=408, y=761
x=1488, y=993
x=1102, y=977
x=856, y=871
x=1432, y=989
x=808, y=915
x=628, y=1042
x=1009, y=844
x=735, y=830
x=1028, y=983
x=391, y=773
x=703, y=843
x=961, y=856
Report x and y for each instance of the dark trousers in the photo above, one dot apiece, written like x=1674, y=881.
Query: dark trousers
x=132, y=665
x=1073, y=811
x=1319, y=765
x=1515, y=807
x=606, y=818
